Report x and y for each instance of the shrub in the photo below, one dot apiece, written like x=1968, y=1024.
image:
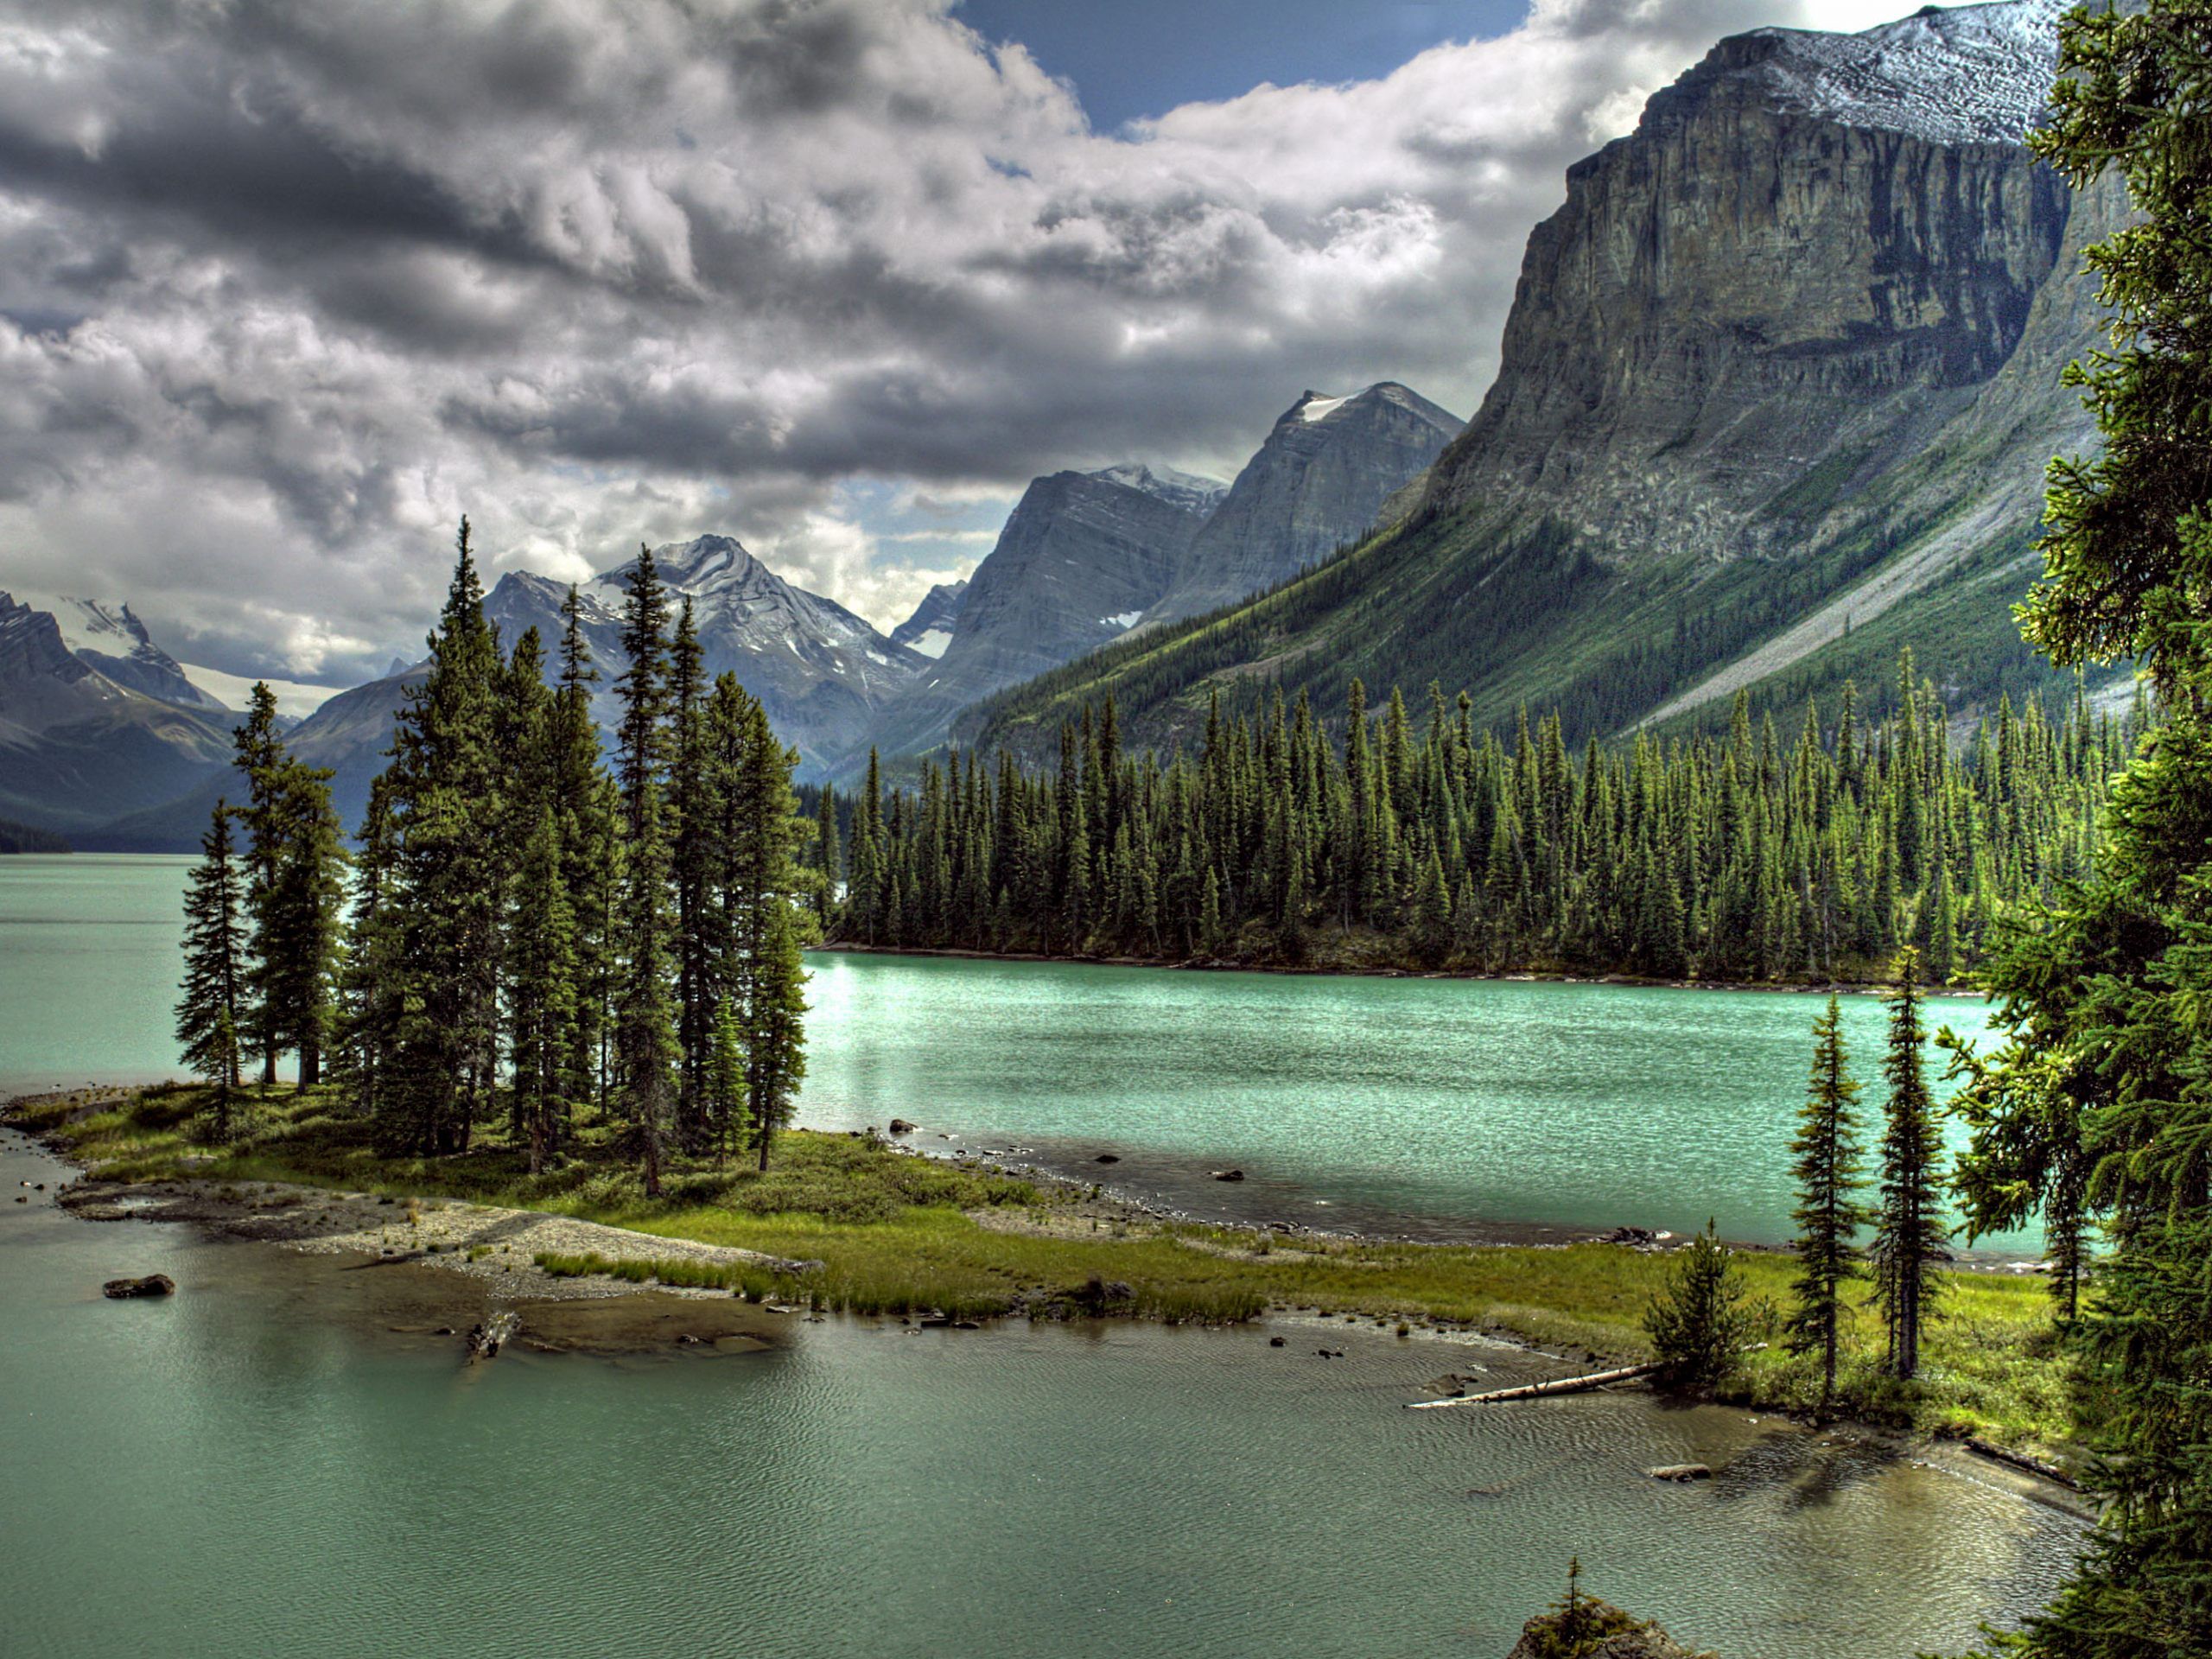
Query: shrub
x=1697, y=1322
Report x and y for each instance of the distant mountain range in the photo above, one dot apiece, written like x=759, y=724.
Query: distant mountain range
x=1774, y=400
x=108, y=739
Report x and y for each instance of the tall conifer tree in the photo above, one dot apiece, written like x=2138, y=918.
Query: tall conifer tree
x=215, y=963
x=1829, y=1212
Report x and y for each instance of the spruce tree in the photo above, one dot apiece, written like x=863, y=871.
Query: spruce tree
x=2103, y=1001
x=445, y=795
x=258, y=754
x=542, y=990
x=214, y=954
x=775, y=1051
x=1909, y=1228
x=1696, y=1322
x=645, y=1015
x=1828, y=1213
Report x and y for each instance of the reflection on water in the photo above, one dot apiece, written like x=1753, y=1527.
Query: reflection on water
x=250, y=1467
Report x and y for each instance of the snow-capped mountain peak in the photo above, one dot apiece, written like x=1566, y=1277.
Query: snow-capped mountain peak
x=109, y=638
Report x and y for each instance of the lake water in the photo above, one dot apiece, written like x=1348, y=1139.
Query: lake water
x=257, y=1465
x=1427, y=1107
x=261, y=1465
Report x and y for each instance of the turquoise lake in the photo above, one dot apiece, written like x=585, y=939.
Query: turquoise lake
x=1427, y=1107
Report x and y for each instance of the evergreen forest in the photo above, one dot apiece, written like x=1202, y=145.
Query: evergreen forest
x=1433, y=843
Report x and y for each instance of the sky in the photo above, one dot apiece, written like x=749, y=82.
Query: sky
x=288, y=286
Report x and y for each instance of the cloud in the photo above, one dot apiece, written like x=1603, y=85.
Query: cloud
x=286, y=286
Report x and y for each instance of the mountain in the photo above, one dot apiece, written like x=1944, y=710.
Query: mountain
x=1321, y=478
x=935, y=620
x=111, y=638
x=1081, y=557
x=1774, y=400
x=95, y=719
x=825, y=676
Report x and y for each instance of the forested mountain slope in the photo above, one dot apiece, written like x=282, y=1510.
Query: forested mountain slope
x=1775, y=397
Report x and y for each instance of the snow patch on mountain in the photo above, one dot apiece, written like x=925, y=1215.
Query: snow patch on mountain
x=1188, y=491
x=108, y=638
x=1968, y=74
x=294, y=697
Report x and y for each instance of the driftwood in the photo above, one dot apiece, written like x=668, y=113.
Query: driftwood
x=2020, y=1460
x=1535, y=1390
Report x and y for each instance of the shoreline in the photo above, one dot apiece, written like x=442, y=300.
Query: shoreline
x=1361, y=970
x=611, y=1317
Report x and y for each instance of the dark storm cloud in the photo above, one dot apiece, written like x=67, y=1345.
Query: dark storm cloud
x=286, y=287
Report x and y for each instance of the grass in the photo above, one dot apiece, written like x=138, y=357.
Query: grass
x=894, y=1233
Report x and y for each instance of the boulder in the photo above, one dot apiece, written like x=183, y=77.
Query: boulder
x=153, y=1284
x=1229, y=1174
x=900, y=1126
x=1681, y=1472
x=1596, y=1629
x=1107, y=1158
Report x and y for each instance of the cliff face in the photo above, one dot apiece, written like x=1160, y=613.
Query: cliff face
x=1081, y=557
x=1320, y=479
x=1812, y=253
x=935, y=620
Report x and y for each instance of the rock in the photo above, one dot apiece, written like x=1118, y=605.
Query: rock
x=486, y=1340
x=1629, y=1236
x=153, y=1284
x=900, y=1126
x=1606, y=1633
x=1082, y=556
x=1274, y=1342
x=1681, y=1472
x=1323, y=476
x=1229, y=1174
x=1107, y=1158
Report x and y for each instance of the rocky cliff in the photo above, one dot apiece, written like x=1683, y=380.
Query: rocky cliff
x=1320, y=481
x=1774, y=400
x=1081, y=557
x=935, y=620
x=1811, y=253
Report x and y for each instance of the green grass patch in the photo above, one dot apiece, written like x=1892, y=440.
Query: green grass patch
x=900, y=1235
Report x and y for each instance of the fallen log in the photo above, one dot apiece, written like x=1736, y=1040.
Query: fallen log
x=1535, y=1391
x=2020, y=1460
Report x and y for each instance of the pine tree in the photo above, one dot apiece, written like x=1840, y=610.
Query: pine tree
x=215, y=953
x=645, y=1015
x=1828, y=1213
x=2103, y=1001
x=1908, y=1230
x=259, y=757
x=444, y=793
